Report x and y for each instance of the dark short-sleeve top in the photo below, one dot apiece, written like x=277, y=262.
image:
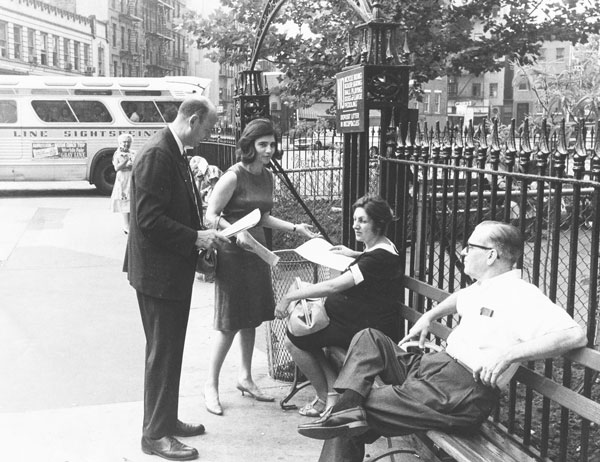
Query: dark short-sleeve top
x=373, y=302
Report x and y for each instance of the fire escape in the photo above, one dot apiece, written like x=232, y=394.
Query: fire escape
x=130, y=52
x=159, y=37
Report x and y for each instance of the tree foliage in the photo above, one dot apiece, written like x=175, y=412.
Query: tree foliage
x=574, y=93
x=445, y=37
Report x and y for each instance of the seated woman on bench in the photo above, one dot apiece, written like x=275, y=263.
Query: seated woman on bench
x=365, y=295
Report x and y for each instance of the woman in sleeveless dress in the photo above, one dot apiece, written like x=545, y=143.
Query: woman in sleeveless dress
x=243, y=288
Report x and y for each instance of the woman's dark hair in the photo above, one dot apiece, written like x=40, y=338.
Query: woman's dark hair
x=377, y=209
x=257, y=128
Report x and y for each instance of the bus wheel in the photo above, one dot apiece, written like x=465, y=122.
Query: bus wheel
x=104, y=176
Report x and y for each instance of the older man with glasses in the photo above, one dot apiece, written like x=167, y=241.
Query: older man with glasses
x=504, y=321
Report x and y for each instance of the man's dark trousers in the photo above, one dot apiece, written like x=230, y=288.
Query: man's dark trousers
x=165, y=324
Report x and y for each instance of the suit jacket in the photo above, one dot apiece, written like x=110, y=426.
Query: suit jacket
x=161, y=256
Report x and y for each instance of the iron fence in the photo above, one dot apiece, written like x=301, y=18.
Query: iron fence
x=441, y=185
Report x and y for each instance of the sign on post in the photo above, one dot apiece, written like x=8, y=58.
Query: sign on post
x=351, y=100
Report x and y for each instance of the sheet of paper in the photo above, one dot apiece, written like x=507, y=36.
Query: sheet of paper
x=317, y=251
x=243, y=223
x=264, y=253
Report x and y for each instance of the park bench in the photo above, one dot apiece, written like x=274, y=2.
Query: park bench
x=493, y=442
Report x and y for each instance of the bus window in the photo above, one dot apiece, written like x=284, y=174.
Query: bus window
x=53, y=111
x=8, y=111
x=90, y=111
x=168, y=109
x=131, y=111
x=148, y=112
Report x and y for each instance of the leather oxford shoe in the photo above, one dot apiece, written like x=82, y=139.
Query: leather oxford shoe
x=348, y=422
x=169, y=448
x=184, y=429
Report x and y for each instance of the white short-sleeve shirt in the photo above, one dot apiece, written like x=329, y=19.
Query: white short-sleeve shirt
x=498, y=313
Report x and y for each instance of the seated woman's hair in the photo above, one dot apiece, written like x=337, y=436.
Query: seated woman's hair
x=377, y=209
x=257, y=128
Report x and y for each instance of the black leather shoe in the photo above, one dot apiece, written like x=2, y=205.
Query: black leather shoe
x=169, y=448
x=349, y=422
x=184, y=429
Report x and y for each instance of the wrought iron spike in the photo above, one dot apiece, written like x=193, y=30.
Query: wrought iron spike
x=561, y=149
x=580, y=139
x=525, y=138
x=544, y=143
x=595, y=154
x=511, y=143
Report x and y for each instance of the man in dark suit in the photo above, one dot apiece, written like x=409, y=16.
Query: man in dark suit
x=160, y=260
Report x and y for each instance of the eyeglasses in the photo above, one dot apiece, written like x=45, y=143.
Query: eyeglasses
x=470, y=246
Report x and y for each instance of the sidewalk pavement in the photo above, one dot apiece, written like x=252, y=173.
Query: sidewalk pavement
x=249, y=431
x=55, y=253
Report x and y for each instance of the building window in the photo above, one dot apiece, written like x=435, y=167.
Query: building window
x=31, y=46
x=100, y=61
x=426, y=103
x=542, y=56
x=437, y=103
x=129, y=39
x=115, y=69
x=122, y=37
x=44, y=48
x=86, y=56
x=452, y=86
x=560, y=55
x=67, y=54
x=476, y=90
x=55, y=52
x=3, y=39
x=493, y=90
x=76, y=55
x=123, y=69
x=114, y=35
x=18, y=51
x=523, y=83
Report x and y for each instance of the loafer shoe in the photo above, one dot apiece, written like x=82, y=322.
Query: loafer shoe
x=184, y=429
x=169, y=448
x=349, y=422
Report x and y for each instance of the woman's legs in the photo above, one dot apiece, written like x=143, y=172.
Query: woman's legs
x=315, y=367
x=245, y=380
x=220, y=347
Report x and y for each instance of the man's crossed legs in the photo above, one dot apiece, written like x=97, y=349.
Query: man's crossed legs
x=421, y=392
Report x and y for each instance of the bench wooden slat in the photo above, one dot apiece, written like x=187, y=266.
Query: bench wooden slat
x=583, y=406
x=437, y=329
x=496, y=433
x=586, y=357
x=472, y=448
x=424, y=289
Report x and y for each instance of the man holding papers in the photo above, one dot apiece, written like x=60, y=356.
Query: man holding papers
x=364, y=295
x=243, y=289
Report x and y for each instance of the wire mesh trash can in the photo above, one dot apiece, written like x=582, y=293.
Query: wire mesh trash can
x=290, y=266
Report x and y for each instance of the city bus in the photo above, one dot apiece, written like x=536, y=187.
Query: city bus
x=66, y=128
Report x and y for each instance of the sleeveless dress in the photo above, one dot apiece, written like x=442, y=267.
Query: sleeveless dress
x=243, y=289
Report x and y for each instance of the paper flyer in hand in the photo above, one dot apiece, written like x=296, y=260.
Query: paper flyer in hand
x=317, y=251
x=243, y=224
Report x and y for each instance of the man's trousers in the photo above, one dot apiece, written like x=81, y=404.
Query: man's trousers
x=421, y=392
x=165, y=324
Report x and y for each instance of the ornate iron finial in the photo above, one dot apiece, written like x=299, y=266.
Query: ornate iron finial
x=543, y=147
x=595, y=153
x=348, y=59
x=525, y=153
x=580, y=152
x=376, y=12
